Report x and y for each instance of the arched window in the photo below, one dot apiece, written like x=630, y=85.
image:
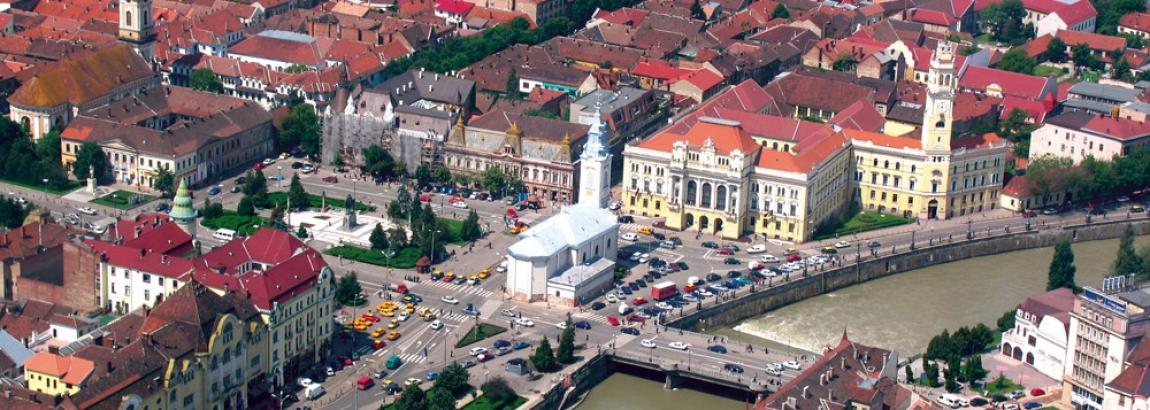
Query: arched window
x=721, y=198
x=706, y=201
x=128, y=18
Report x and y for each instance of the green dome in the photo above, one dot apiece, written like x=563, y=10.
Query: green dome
x=182, y=204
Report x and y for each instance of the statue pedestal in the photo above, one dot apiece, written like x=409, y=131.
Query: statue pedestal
x=91, y=185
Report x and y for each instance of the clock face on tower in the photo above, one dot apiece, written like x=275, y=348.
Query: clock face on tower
x=941, y=106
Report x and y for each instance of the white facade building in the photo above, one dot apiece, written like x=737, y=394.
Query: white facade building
x=595, y=164
x=1040, y=330
x=1105, y=326
x=566, y=259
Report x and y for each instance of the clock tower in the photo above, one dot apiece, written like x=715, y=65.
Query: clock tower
x=595, y=164
x=136, y=28
x=937, y=115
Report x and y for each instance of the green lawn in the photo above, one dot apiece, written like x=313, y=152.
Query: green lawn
x=1048, y=71
x=454, y=229
x=860, y=222
x=122, y=199
x=404, y=259
x=482, y=403
x=71, y=186
x=473, y=336
x=317, y=201
x=1089, y=76
x=1001, y=385
x=243, y=225
x=106, y=319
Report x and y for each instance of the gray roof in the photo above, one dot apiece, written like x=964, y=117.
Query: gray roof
x=612, y=100
x=1103, y=91
x=12, y=348
x=580, y=273
x=1092, y=106
x=569, y=228
x=418, y=85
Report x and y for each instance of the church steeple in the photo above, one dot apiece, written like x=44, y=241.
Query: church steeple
x=136, y=28
x=182, y=211
x=595, y=162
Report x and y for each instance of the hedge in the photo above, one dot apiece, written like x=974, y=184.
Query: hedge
x=489, y=330
x=404, y=259
x=243, y=225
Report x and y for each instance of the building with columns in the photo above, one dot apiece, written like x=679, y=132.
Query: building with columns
x=730, y=171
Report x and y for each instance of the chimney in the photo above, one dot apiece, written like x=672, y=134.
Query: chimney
x=806, y=392
x=823, y=379
x=843, y=362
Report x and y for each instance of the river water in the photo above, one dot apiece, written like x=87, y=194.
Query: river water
x=901, y=312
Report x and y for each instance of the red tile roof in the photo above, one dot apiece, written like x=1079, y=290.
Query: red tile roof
x=1093, y=40
x=142, y=260
x=746, y=96
x=453, y=6
x=1134, y=20
x=1118, y=128
x=883, y=139
x=1076, y=12
x=703, y=79
x=625, y=15
x=726, y=136
x=659, y=69
x=72, y=370
x=811, y=153
x=294, y=267
x=860, y=116
x=975, y=141
x=1010, y=83
x=277, y=49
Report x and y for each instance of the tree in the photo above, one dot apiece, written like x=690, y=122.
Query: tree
x=909, y=374
x=780, y=12
x=440, y=174
x=1017, y=61
x=973, y=370
x=471, y=229
x=48, y=147
x=297, y=197
x=1111, y=11
x=1006, y=321
x=423, y=175
x=543, y=359
x=301, y=232
x=348, y=290
x=396, y=238
x=1062, y=269
x=932, y=374
x=453, y=379
x=1048, y=174
x=256, y=188
x=210, y=210
x=951, y=375
x=1056, y=51
x=413, y=398
x=498, y=391
x=1144, y=255
x=11, y=213
x=91, y=156
x=513, y=92
x=300, y=128
x=566, y=352
x=1004, y=22
x=204, y=79
x=697, y=11
x=1122, y=70
x=164, y=182
x=245, y=207
x=1127, y=262
x=378, y=162
x=378, y=237
x=845, y=61
x=494, y=180
x=1083, y=56
x=440, y=399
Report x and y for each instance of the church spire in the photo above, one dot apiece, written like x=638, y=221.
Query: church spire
x=595, y=162
x=596, y=145
x=182, y=211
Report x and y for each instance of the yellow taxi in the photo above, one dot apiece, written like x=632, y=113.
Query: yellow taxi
x=392, y=335
x=409, y=309
x=483, y=274
x=387, y=313
x=377, y=333
x=361, y=327
x=393, y=324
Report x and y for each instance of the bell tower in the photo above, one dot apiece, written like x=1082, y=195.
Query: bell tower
x=136, y=28
x=595, y=163
x=938, y=116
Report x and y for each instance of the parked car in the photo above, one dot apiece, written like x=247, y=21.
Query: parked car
x=631, y=330
x=331, y=179
x=717, y=348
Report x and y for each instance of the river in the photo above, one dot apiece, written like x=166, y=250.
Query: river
x=901, y=312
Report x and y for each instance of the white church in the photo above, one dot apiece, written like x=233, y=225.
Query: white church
x=569, y=258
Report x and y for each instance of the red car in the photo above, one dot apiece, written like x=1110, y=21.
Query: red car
x=345, y=360
x=639, y=300
x=259, y=166
x=637, y=319
x=794, y=257
x=614, y=321
x=726, y=251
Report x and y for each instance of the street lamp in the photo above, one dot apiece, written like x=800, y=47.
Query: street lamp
x=45, y=181
x=433, y=244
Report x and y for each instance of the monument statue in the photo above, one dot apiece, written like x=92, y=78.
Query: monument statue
x=349, y=222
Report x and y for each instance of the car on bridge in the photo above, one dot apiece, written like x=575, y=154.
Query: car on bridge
x=679, y=345
x=717, y=348
x=733, y=368
x=648, y=343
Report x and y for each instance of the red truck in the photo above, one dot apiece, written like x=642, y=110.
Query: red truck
x=664, y=290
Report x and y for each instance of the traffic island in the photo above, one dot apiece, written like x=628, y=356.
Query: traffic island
x=479, y=332
x=122, y=199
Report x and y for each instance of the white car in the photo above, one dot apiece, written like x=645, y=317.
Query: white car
x=704, y=293
x=476, y=351
x=307, y=169
x=611, y=298
x=630, y=236
x=413, y=381
x=842, y=244
x=436, y=325
x=791, y=364
x=635, y=256
x=561, y=325
x=650, y=343
x=776, y=367
x=329, y=371
x=769, y=259
x=502, y=267
x=459, y=204
x=509, y=313
x=664, y=306
x=759, y=248
x=304, y=382
x=616, y=205
x=525, y=322
x=269, y=161
x=678, y=345
x=402, y=317
x=87, y=210
x=450, y=299
x=644, y=258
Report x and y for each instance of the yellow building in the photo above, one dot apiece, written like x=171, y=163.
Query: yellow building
x=54, y=374
x=780, y=178
x=934, y=176
x=720, y=178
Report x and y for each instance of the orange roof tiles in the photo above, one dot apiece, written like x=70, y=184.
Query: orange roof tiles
x=727, y=136
x=883, y=139
x=83, y=78
x=72, y=370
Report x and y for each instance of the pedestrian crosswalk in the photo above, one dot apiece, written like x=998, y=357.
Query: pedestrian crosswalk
x=593, y=317
x=456, y=317
x=406, y=357
x=461, y=290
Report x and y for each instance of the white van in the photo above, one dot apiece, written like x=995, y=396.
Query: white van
x=313, y=392
x=950, y=400
x=224, y=234
x=694, y=280
x=630, y=236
